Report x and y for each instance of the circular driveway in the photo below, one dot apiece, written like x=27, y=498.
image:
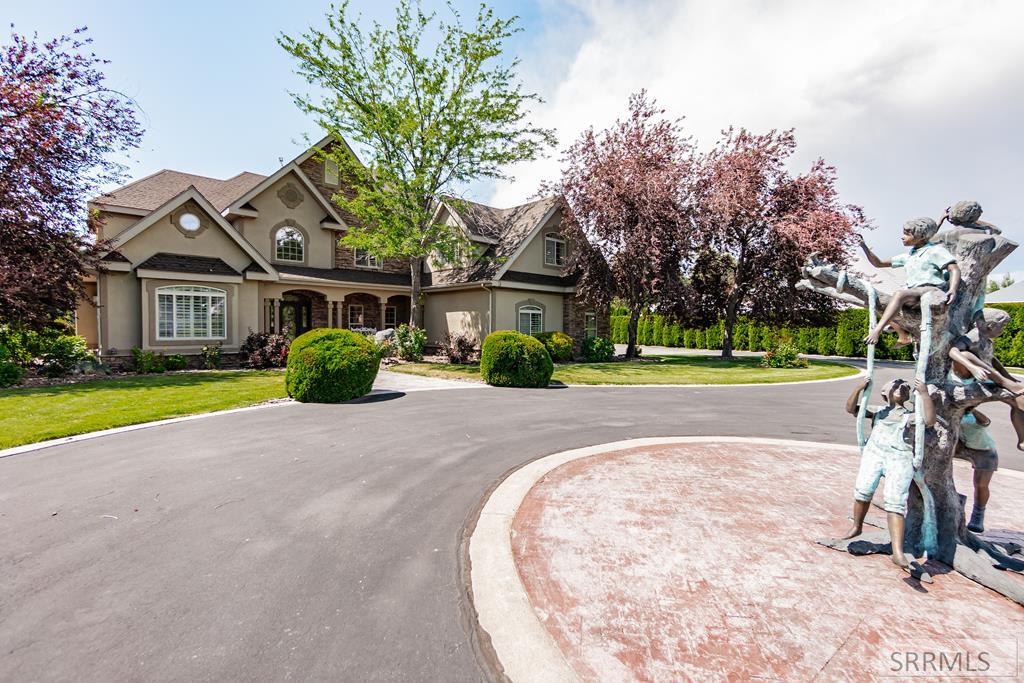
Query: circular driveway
x=313, y=541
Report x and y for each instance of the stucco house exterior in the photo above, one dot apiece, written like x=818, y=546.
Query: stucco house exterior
x=194, y=261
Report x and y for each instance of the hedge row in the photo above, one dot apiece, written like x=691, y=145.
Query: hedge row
x=842, y=339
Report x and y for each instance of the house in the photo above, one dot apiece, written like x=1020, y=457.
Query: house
x=194, y=261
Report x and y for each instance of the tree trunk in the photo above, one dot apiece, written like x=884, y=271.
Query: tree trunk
x=977, y=255
x=415, y=306
x=634, y=320
x=727, y=326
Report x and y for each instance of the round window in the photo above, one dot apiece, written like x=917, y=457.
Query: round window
x=189, y=222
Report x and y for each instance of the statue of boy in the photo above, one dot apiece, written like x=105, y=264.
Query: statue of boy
x=930, y=267
x=888, y=453
x=977, y=446
x=973, y=356
x=974, y=361
x=965, y=217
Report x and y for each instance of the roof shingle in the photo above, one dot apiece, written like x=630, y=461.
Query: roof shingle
x=184, y=263
x=155, y=190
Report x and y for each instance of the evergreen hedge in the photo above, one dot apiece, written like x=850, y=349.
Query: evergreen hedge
x=842, y=339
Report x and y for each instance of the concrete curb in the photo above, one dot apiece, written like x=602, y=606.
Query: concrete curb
x=519, y=640
x=861, y=372
x=39, y=445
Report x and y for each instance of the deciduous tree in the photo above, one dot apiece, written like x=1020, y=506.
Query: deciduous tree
x=59, y=126
x=756, y=226
x=626, y=210
x=433, y=104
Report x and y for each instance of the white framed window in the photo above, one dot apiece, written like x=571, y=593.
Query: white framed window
x=554, y=250
x=187, y=312
x=531, y=320
x=331, y=172
x=288, y=245
x=390, y=317
x=364, y=259
x=355, y=315
x=589, y=324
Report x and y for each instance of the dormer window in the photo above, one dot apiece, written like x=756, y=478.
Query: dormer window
x=331, y=172
x=288, y=245
x=364, y=259
x=554, y=250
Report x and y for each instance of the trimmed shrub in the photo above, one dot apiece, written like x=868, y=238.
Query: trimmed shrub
x=558, y=344
x=264, y=350
x=330, y=366
x=147, y=362
x=175, y=362
x=513, y=359
x=10, y=374
x=459, y=347
x=410, y=342
x=597, y=350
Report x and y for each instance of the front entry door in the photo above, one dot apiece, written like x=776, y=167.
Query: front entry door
x=296, y=315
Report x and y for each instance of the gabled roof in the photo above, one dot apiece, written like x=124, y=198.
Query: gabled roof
x=291, y=167
x=185, y=263
x=174, y=202
x=510, y=229
x=1011, y=294
x=151, y=192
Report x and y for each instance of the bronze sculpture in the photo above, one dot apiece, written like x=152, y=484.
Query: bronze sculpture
x=977, y=253
x=888, y=453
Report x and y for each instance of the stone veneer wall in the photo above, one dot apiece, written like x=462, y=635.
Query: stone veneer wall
x=573, y=312
x=343, y=256
x=371, y=310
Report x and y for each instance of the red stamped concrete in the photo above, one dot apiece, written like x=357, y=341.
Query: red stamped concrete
x=698, y=562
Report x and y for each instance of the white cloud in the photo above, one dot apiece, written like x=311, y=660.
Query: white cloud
x=918, y=104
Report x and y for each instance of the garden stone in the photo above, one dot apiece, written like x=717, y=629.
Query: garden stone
x=384, y=335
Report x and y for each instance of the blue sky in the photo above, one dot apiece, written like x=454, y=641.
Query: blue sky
x=209, y=77
x=917, y=103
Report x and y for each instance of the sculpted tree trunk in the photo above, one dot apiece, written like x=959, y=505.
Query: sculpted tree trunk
x=977, y=255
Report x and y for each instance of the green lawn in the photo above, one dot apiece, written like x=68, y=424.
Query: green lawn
x=29, y=415
x=667, y=370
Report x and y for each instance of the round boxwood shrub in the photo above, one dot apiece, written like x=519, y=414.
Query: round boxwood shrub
x=598, y=350
x=10, y=374
x=513, y=359
x=331, y=366
x=558, y=344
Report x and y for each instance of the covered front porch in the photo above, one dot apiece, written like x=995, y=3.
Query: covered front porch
x=293, y=310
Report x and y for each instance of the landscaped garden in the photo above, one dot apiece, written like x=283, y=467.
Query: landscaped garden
x=655, y=370
x=35, y=414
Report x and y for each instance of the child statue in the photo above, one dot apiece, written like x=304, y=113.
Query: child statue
x=965, y=217
x=888, y=453
x=978, y=447
x=974, y=359
x=930, y=267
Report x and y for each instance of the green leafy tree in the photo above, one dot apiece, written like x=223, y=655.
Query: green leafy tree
x=431, y=104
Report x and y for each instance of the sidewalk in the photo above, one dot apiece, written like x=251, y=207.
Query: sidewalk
x=697, y=561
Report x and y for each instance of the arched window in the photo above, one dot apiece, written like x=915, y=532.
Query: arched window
x=531, y=320
x=187, y=312
x=288, y=245
x=554, y=250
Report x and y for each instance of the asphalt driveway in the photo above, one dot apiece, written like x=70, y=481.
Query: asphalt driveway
x=311, y=541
